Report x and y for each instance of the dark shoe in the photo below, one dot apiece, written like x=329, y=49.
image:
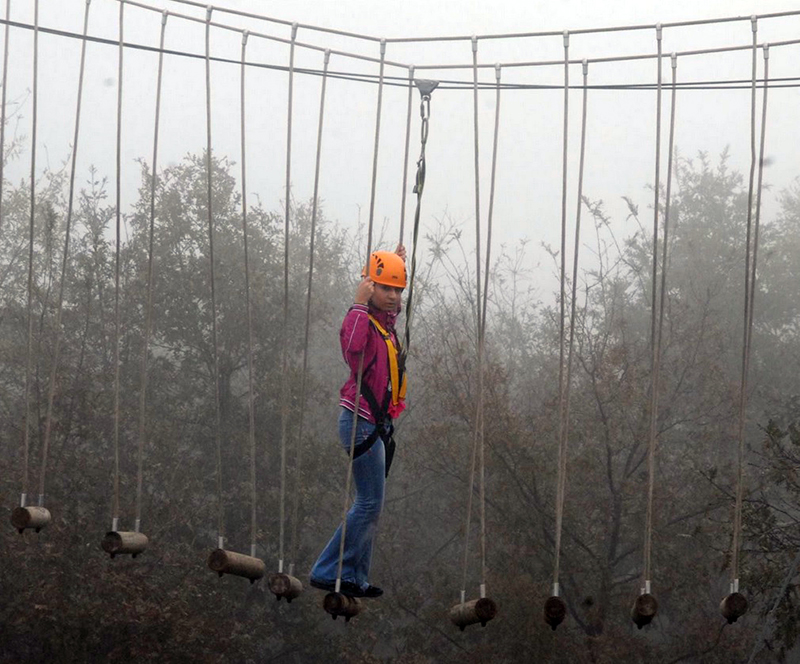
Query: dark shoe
x=372, y=591
x=350, y=589
x=328, y=586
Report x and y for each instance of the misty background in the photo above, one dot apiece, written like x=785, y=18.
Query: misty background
x=61, y=599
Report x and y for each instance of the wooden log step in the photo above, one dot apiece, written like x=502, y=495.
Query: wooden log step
x=644, y=610
x=34, y=518
x=555, y=610
x=124, y=542
x=733, y=607
x=476, y=611
x=238, y=564
x=285, y=585
x=337, y=605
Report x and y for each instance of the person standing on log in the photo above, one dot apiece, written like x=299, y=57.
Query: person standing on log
x=368, y=330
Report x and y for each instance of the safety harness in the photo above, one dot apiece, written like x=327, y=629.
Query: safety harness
x=396, y=392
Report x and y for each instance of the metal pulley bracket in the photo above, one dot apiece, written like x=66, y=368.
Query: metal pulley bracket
x=425, y=86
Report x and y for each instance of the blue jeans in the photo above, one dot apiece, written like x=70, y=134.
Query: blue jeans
x=362, y=519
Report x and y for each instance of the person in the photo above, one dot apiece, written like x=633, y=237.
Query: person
x=368, y=329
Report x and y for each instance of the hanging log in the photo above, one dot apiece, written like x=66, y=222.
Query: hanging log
x=123, y=542
x=238, y=564
x=477, y=611
x=644, y=610
x=337, y=605
x=30, y=517
x=555, y=610
x=285, y=585
x=733, y=607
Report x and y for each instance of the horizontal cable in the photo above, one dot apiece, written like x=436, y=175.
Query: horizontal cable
x=452, y=84
x=507, y=35
x=279, y=21
x=260, y=35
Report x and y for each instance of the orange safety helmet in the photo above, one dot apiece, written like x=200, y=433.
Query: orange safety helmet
x=387, y=268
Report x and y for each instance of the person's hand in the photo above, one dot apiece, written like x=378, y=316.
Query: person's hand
x=401, y=251
x=364, y=291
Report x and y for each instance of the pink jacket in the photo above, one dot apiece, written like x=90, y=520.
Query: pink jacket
x=357, y=335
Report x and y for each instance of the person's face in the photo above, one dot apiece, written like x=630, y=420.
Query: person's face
x=386, y=298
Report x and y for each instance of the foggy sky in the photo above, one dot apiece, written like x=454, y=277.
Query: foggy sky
x=620, y=127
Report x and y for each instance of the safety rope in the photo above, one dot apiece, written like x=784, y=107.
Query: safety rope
x=65, y=261
x=31, y=236
x=426, y=88
x=306, y=333
x=3, y=108
x=360, y=371
x=654, y=340
x=285, y=354
x=478, y=320
x=215, y=349
x=562, y=452
x=149, y=311
x=481, y=420
x=118, y=240
x=750, y=281
x=405, y=158
x=737, y=519
x=564, y=426
x=251, y=409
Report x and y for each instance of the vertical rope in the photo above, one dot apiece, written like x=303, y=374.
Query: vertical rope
x=217, y=406
x=65, y=261
x=285, y=360
x=3, y=107
x=31, y=237
x=251, y=408
x=115, y=505
x=149, y=311
x=360, y=371
x=482, y=459
x=478, y=317
x=405, y=159
x=654, y=341
x=564, y=426
x=306, y=333
x=737, y=519
x=562, y=454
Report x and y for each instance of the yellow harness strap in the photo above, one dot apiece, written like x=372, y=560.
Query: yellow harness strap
x=398, y=389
